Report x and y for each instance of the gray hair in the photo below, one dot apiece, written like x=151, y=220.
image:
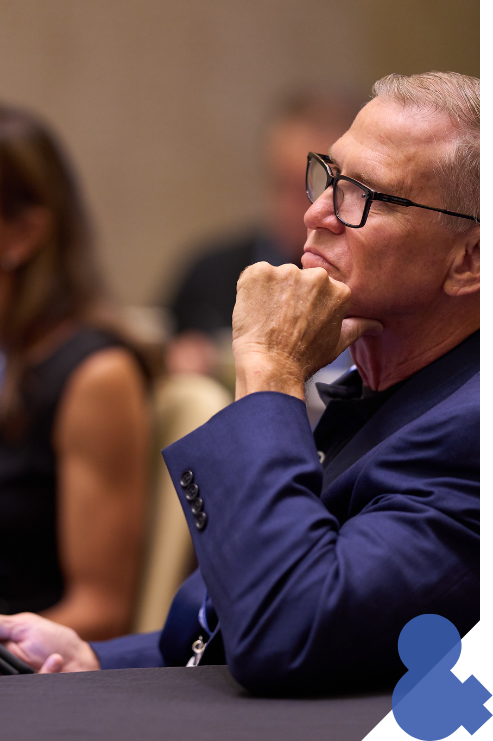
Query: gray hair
x=458, y=97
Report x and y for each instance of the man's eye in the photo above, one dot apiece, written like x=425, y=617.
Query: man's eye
x=378, y=206
x=386, y=207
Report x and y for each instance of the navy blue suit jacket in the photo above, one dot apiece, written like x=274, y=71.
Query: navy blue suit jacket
x=314, y=573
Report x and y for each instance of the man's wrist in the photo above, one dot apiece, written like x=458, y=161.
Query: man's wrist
x=265, y=373
x=86, y=660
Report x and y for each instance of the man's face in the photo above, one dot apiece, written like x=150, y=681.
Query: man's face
x=396, y=264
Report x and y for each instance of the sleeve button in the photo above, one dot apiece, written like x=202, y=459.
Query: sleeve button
x=186, y=479
x=191, y=492
x=197, y=505
x=201, y=520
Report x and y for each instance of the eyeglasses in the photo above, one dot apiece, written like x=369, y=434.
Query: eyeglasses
x=352, y=200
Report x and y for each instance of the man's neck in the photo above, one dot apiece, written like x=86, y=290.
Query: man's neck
x=395, y=355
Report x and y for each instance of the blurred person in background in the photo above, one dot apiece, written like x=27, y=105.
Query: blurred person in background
x=202, y=307
x=73, y=402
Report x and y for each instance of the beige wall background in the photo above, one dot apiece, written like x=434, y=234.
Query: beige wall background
x=160, y=102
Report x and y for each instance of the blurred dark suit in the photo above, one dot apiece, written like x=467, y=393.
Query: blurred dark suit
x=206, y=295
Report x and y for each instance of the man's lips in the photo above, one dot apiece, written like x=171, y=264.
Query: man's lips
x=312, y=258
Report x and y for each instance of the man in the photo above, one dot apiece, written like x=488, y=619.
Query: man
x=315, y=561
x=202, y=305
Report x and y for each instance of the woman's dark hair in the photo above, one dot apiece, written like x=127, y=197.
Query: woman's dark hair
x=60, y=280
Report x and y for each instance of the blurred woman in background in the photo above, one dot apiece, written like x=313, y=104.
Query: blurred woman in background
x=74, y=425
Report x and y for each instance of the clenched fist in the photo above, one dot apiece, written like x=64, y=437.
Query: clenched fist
x=287, y=324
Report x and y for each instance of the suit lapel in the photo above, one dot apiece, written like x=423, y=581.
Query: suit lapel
x=421, y=392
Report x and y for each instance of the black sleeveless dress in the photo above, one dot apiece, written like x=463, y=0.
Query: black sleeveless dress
x=30, y=575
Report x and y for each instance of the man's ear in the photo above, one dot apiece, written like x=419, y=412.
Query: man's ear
x=464, y=272
x=23, y=236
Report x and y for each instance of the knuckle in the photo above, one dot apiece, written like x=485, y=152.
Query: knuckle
x=320, y=276
x=244, y=273
x=254, y=271
x=343, y=291
x=346, y=293
x=260, y=267
x=316, y=276
x=287, y=273
x=289, y=268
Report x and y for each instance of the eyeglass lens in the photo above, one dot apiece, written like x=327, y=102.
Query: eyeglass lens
x=350, y=202
x=316, y=180
x=350, y=199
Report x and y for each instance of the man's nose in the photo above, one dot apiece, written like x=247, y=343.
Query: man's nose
x=321, y=214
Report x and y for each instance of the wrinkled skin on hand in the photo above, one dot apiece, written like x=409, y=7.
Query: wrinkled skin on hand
x=287, y=324
x=46, y=646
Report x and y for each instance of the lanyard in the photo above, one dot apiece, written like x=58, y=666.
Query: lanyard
x=203, y=619
x=198, y=646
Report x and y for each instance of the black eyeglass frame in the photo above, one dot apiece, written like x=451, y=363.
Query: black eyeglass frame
x=371, y=195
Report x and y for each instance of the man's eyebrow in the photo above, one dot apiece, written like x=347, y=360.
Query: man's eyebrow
x=367, y=180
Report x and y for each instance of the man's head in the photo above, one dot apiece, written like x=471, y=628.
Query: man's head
x=417, y=139
x=302, y=122
x=457, y=97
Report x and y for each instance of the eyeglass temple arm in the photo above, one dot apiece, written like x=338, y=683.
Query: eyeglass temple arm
x=406, y=202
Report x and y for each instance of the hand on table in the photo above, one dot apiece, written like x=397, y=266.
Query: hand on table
x=46, y=646
x=287, y=324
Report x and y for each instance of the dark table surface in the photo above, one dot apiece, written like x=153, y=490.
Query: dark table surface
x=179, y=704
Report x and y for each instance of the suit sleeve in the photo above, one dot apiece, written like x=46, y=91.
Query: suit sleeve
x=129, y=652
x=306, y=602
